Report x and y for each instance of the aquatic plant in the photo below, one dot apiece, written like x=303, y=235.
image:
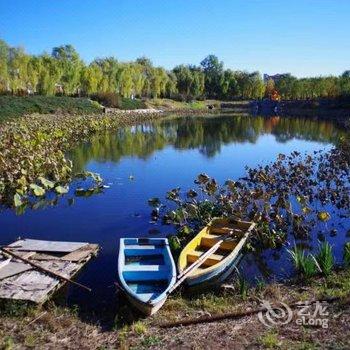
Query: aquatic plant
x=32, y=154
x=304, y=263
x=325, y=258
x=346, y=255
x=290, y=196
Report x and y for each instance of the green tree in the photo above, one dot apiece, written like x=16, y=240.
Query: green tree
x=70, y=66
x=4, y=73
x=213, y=70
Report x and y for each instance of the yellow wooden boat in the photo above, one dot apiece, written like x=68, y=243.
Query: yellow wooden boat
x=222, y=262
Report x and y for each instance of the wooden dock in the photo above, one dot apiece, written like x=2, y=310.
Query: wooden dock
x=19, y=280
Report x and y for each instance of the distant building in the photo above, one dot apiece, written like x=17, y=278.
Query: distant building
x=275, y=77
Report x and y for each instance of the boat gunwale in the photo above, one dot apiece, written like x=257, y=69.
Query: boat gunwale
x=171, y=278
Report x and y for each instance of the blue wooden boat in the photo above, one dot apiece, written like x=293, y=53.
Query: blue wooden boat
x=146, y=271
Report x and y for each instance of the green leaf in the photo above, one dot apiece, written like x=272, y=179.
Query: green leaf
x=61, y=189
x=185, y=230
x=154, y=202
x=38, y=191
x=192, y=209
x=46, y=183
x=17, y=200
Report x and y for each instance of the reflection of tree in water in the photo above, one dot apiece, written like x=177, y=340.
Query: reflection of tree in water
x=207, y=134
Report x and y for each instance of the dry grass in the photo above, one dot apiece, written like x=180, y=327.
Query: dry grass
x=61, y=328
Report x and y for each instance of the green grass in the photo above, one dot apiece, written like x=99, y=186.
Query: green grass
x=325, y=258
x=303, y=263
x=347, y=254
x=270, y=339
x=15, y=106
x=172, y=104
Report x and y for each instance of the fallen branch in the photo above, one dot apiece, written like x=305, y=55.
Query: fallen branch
x=234, y=315
x=37, y=318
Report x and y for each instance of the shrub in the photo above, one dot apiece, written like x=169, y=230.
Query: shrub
x=107, y=99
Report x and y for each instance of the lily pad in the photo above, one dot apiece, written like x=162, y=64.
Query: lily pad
x=323, y=216
x=37, y=190
x=17, y=200
x=154, y=202
x=61, y=189
x=46, y=183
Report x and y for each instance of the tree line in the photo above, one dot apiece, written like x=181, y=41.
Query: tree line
x=64, y=72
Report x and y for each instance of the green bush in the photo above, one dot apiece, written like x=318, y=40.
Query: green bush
x=128, y=103
x=113, y=100
x=107, y=99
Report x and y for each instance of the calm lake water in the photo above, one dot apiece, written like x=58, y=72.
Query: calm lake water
x=148, y=160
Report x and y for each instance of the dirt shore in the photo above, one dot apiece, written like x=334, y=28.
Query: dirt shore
x=55, y=327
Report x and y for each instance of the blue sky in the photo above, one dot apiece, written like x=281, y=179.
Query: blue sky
x=304, y=37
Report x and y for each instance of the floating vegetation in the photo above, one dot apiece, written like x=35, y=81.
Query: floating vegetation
x=295, y=195
x=33, y=164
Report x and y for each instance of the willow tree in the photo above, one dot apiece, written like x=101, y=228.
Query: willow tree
x=49, y=75
x=17, y=68
x=70, y=64
x=91, y=77
x=4, y=73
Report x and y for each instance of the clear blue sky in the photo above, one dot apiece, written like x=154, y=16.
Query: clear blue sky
x=304, y=37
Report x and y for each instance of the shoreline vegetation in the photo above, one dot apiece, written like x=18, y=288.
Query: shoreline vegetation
x=56, y=326
x=27, y=179
x=75, y=120
x=63, y=72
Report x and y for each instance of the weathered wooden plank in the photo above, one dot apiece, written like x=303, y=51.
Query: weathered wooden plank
x=46, y=246
x=13, y=268
x=35, y=285
x=81, y=254
x=4, y=262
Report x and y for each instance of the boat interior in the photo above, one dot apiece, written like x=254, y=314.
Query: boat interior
x=146, y=270
x=210, y=236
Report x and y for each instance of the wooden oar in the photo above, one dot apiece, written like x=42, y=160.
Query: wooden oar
x=43, y=269
x=182, y=276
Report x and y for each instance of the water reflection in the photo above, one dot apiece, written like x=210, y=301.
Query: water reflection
x=207, y=134
x=161, y=155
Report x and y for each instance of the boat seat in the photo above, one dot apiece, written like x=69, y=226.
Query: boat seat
x=225, y=230
x=145, y=272
x=141, y=246
x=210, y=261
x=141, y=250
x=209, y=240
x=146, y=268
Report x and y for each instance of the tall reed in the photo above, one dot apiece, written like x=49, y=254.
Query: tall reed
x=346, y=255
x=325, y=258
x=303, y=263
